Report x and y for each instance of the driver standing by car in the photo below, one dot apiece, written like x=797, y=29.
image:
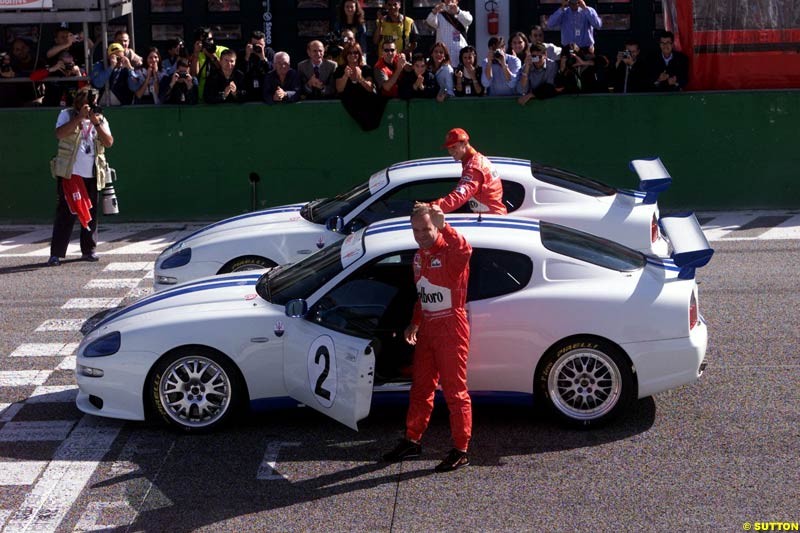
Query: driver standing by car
x=439, y=330
x=479, y=183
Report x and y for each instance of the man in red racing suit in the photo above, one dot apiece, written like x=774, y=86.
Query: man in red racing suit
x=479, y=184
x=440, y=332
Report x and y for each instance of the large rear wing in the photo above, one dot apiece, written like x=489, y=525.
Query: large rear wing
x=690, y=248
x=653, y=177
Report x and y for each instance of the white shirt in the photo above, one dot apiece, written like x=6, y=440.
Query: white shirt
x=84, y=160
x=447, y=34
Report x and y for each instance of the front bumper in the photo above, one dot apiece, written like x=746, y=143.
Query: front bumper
x=166, y=278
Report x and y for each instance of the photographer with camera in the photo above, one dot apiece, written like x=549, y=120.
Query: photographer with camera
x=254, y=61
x=66, y=41
x=630, y=73
x=205, y=55
x=175, y=50
x=577, y=22
x=181, y=87
x=80, y=170
x=57, y=93
x=115, y=72
x=538, y=76
x=396, y=25
x=500, y=70
x=350, y=16
x=576, y=72
x=451, y=24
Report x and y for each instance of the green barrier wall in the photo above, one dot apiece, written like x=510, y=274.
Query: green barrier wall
x=724, y=150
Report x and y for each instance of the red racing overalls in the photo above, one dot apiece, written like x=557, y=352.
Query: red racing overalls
x=441, y=274
x=479, y=184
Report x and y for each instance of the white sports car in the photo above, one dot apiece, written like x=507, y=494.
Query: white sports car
x=287, y=234
x=581, y=323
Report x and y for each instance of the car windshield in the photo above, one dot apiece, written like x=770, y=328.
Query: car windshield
x=301, y=279
x=319, y=211
x=571, y=181
x=589, y=248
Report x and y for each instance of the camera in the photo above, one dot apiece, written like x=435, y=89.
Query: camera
x=626, y=54
x=258, y=49
x=334, y=45
x=183, y=75
x=69, y=66
x=498, y=54
x=5, y=62
x=209, y=46
x=91, y=100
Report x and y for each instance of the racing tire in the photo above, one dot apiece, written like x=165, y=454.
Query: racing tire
x=585, y=382
x=248, y=262
x=195, y=389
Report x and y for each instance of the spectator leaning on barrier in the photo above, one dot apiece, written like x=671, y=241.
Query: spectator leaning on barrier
x=537, y=78
x=356, y=89
x=577, y=22
x=576, y=72
x=451, y=24
x=316, y=73
x=400, y=27
x=145, y=81
x=439, y=65
x=518, y=46
x=254, y=62
x=500, y=70
x=225, y=83
x=631, y=74
x=468, y=74
x=282, y=84
x=205, y=54
x=115, y=72
x=670, y=67
x=388, y=69
x=124, y=39
x=537, y=37
x=180, y=87
x=58, y=93
x=80, y=170
x=418, y=82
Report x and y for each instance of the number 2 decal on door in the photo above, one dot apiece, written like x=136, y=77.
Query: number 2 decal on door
x=322, y=370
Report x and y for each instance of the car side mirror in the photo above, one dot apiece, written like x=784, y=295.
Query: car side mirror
x=335, y=224
x=296, y=308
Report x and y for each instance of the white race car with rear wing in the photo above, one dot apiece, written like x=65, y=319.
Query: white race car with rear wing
x=288, y=233
x=581, y=324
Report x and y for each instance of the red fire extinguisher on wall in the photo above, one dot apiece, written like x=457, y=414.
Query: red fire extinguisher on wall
x=492, y=18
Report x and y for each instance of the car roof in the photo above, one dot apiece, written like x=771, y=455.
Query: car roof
x=446, y=167
x=495, y=231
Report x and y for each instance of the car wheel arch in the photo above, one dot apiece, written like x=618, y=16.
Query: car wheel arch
x=242, y=398
x=234, y=264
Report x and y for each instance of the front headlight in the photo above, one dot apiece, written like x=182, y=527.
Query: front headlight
x=106, y=345
x=178, y=260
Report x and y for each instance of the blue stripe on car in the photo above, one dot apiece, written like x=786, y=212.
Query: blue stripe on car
x=630, y=192
x=182, y=289
x=449, y=161
x=284, y=209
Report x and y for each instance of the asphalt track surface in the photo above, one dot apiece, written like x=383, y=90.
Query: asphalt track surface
x=710, y=456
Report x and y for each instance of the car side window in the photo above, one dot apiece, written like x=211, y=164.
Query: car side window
x=377, y=298
x=513, y=195
x=494, y=273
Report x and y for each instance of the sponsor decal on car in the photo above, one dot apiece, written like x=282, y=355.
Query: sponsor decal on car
x=279, y=329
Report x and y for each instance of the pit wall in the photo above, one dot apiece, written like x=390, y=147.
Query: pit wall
x=729, y=150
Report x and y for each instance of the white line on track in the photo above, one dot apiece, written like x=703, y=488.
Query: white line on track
x=25, y=238
x=68, y=363
x=36, y=431
x=23, y=378
x=268, y=469
x=91, y=516
x=65, y=477
x=112, y=283
x=44, y=349
x=788, y=229
x=91, y=303
x=129, y=266
x=20, y=472
x=139, y=292
x=61, y=324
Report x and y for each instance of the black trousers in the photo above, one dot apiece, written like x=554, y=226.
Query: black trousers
x=62, y=225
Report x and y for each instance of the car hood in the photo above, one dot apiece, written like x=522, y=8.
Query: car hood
x=268, y=217
x=223, y=292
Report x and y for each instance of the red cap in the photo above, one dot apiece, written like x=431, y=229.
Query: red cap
x=455, y=136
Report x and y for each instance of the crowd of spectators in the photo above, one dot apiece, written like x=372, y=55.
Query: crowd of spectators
x=203, y=72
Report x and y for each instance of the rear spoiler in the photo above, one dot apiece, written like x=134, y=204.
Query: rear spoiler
x=690, y=248
x=653, y=177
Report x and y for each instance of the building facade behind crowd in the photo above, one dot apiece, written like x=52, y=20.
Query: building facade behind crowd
x=395, y=62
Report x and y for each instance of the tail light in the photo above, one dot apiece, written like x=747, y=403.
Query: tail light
x=694, y=316
x=654, y=229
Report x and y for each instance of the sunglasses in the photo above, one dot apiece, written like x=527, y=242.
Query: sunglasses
x=389, y=50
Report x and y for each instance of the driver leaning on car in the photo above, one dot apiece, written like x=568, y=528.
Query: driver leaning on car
x=479, y=185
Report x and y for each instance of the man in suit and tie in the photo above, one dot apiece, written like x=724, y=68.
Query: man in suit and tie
x=316, y=73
